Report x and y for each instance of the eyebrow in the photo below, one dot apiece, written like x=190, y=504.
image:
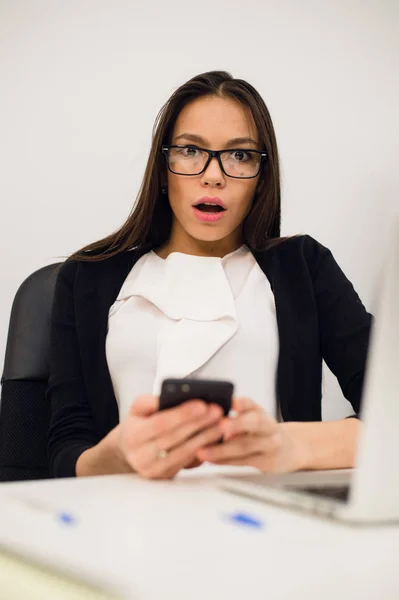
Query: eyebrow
x=200, y=140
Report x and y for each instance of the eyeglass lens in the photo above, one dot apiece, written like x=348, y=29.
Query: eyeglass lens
x=236, y=163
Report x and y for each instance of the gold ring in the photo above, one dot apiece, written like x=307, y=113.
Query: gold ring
x=160, y=453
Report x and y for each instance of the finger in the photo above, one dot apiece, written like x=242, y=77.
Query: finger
x=240, y=447
x=195, y=463
x=181, y=434
x=181, y=456
x=253, y=421
x=144, y=406
x=178, y=435
x=166, y=420
x=254, y=460
x=266, y=464
x=242, y=404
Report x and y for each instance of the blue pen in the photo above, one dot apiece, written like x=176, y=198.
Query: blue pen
x=66, y=518
x=245, y=519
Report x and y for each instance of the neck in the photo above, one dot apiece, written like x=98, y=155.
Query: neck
x=188, y=245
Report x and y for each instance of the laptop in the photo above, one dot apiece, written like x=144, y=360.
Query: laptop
x=370, y=492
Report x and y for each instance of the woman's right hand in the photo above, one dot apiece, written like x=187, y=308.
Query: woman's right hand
x=157, y=444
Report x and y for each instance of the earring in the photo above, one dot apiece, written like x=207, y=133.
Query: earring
x=164, y=190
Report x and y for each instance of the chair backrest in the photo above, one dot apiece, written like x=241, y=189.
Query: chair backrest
x=24, y=412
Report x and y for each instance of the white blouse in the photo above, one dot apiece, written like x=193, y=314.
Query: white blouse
x=194, y=316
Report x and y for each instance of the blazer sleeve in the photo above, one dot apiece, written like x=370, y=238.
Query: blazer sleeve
x=71, y=428
x=344, y=323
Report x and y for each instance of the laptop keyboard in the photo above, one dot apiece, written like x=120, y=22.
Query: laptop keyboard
x=336, y=492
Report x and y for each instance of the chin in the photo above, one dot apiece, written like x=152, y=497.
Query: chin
x=208, y=234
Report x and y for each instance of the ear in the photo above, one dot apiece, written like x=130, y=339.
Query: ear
x=164, y=181
x=164, y=184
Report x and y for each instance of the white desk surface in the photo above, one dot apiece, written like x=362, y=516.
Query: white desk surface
x=175, y=540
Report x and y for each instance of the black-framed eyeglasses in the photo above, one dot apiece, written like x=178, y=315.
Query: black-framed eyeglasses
x=189, y=160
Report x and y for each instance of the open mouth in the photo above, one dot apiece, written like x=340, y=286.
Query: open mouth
x=209, y=208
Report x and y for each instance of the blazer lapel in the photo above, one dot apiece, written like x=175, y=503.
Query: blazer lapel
x=297, y=370
x=99, y=284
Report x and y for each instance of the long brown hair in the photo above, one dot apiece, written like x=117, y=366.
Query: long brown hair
x=149, y=223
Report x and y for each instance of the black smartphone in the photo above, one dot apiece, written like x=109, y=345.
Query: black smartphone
x=176, y=391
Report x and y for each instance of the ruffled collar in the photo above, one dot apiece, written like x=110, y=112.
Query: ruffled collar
x=197, y=296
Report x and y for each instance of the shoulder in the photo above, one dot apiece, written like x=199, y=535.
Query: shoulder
x=295, y=250
x=300, y=244
x=96, y=270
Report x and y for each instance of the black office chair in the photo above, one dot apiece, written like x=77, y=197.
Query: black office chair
x=24, y=412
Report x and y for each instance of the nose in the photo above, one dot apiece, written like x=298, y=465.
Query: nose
x=213, y=175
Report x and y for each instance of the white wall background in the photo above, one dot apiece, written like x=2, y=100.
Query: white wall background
x=82, y=81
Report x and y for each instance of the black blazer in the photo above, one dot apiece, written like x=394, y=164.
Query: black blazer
x=319, y=316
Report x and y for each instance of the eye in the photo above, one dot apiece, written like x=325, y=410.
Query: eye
x=241, y=155
x=188, y=151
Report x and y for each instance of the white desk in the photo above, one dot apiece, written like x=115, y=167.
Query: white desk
x=175, y=540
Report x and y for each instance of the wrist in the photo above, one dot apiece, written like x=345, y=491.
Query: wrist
x=113, y=452
x=299, y=446
x=324, y=445
x=105, y=458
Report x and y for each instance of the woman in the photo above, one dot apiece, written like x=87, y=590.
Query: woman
x=198, y=282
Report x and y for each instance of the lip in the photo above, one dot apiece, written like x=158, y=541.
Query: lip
x=209, y=199
x=208, y=217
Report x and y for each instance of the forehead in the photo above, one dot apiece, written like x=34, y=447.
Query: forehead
x=216, y=120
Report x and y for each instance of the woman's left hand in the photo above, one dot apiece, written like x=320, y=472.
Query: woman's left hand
x=256, y=439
